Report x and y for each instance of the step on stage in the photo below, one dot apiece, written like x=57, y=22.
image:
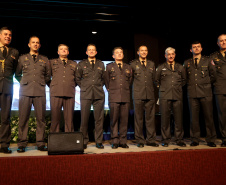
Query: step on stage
x=148, y=165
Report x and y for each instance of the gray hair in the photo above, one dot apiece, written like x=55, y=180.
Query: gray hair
x=168, y=49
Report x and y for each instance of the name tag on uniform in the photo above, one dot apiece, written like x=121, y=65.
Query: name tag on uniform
x=164, y=69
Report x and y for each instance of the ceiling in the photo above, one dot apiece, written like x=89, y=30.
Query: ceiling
x=115, y=21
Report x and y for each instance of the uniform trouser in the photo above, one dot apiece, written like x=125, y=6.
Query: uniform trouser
x=68, y=104
x=98, y=106
x=5, y=129
x=25, y=103
x=165, y=108
x=119, y=111
x=147, y=106
x=207, y=107
x=221, y=108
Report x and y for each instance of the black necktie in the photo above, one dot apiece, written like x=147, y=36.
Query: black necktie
x=225, y=54
x=196, y=59
x=120, y=66
x=4, y=52
x=92, y=64
x=34, y=56
x=171, y=66
x=64, y=62
x=143, y=64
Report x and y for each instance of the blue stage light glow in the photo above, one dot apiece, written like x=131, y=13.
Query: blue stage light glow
x=16, y=86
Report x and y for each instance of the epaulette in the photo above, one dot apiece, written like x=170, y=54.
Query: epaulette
x=43, y=56
x=54, y=59
x=24, y=54
x=214, y=53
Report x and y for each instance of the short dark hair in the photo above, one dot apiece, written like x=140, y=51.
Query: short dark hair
x=223, y=34
x=34, y=37
x=5, y=28
x=141, y=46
x=91, y=44
x=116, y=48
x=63, y=45
x=195, y=42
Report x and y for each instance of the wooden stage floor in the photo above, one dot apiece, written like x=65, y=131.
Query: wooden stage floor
x=31, y=149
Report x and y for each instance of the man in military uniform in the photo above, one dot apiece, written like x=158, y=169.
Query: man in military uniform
x=8, y=62
x=118, y=79
x=219, y=60
x=200, y=74
x=33, y=73
x=89, y=78
x=170, y=77
x=62, y=90
x=144, y=98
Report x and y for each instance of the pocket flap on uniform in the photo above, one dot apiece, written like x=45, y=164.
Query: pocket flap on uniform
x=161, y=89
x=24, y=82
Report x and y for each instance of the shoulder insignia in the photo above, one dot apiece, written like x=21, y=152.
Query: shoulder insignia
x=212, y=62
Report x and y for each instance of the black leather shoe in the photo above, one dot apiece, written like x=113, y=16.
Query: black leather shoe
x=211, y=144
x=223, y=144
x=140, y=145
x=181, y=143
x=153, y=144
x=21, y=149
x=42, y=148
x=165, y=144
x=124, y=146
x=193, y=143
x=114, y=146
x=85, y=146
x=99, y=146
x=5, y=150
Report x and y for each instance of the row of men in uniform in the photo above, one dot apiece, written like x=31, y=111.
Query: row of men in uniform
x=34, y=71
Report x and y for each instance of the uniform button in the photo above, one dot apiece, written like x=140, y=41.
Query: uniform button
x=33, y=81
x=63, y=76
x=195, y=84
x=93, y=80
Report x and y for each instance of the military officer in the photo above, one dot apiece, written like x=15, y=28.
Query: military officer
x=8, y=62
x=219, y=60
x=200, y=74
x=89, y=78
x=62, y=90
x=144, y=98
x=170, y=77
x=118, y=77
x=33, y=73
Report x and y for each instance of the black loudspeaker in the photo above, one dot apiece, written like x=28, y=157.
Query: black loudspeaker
x=65, y=143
